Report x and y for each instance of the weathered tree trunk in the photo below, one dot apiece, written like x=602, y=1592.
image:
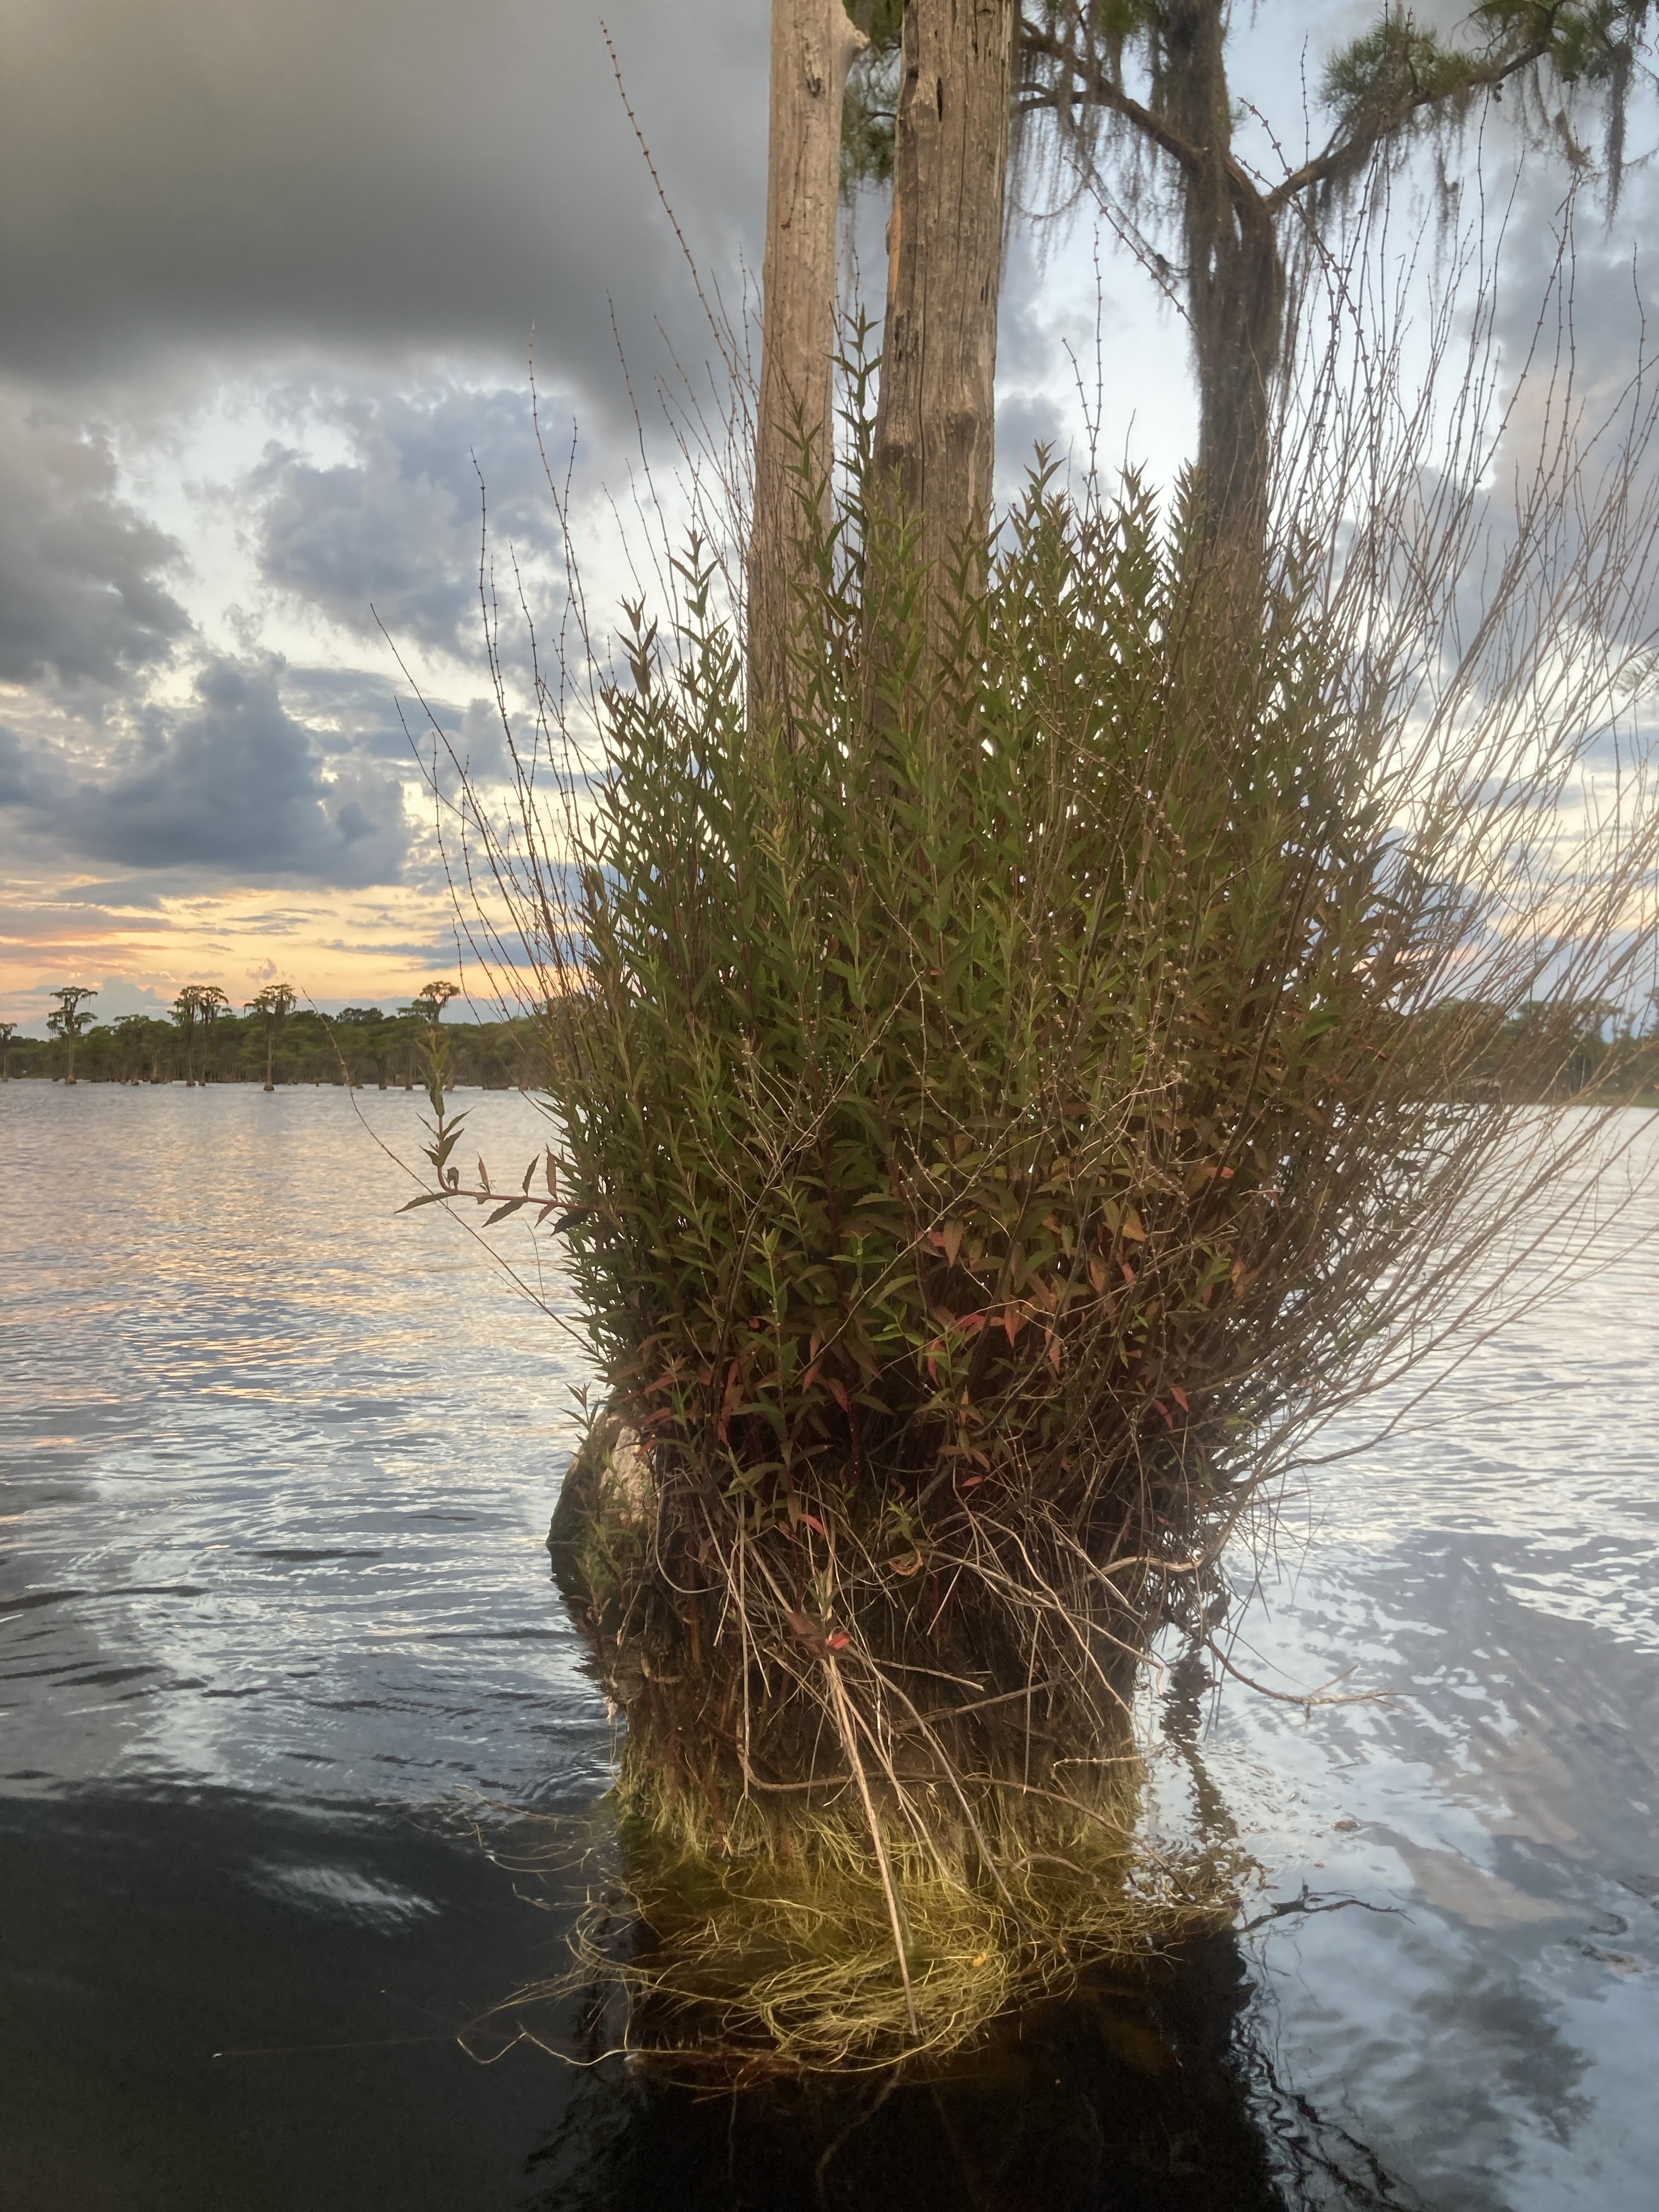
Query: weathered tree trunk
x=1235, y=279
x=812, y=45
x=935, y=424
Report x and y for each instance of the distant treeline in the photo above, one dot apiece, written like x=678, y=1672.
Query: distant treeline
x=1551, y=1050
x=363, y=1044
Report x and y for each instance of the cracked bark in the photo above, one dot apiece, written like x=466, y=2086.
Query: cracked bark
x=812, y=45
x=935, y=423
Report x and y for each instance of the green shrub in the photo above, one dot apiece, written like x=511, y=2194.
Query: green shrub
x=1007, y=1095
x=970, y=1086
x=964, y=1093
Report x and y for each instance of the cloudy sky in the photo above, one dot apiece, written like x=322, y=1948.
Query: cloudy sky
x=269, y=274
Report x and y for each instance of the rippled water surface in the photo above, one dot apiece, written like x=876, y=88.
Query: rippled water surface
x=275, y=1622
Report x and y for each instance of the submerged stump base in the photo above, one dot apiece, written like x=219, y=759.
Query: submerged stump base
x=760, y=1928
x=776, y=1952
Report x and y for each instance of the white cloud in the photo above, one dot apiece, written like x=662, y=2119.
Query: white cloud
x=84, y=576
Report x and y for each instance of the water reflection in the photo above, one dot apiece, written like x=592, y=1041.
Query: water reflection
x=285, y=1457
x=212, y=1999
x=1495, y=1565
x=272, y=1607
x=1128, y=2097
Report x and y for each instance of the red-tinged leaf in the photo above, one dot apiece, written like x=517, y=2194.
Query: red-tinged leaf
x=839, y=1640
x=970, y=1482
x=1227, y=1173
x=813, y=1522
x=810, y=1377
x=1160, y=1408
x=1128, y=1271
x=549, y=1206
x=950, y=1238
x=970, y=1324
x=1054, y=1352
x=1012, y=1322
x=838, y=1392
x=1180, y=1397
x=730, y=1400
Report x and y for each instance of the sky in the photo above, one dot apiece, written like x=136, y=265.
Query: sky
x=272, y=276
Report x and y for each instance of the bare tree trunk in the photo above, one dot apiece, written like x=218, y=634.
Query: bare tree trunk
x=1235, y=281
x=812, y=45
x=936, y=421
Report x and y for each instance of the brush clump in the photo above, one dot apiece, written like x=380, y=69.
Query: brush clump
x=960, y=1095
x=1009, y=1089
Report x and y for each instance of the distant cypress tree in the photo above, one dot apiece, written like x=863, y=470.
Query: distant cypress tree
x=67, y=1022
x=273, y=1005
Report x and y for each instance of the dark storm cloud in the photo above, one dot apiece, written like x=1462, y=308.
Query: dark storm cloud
x=420, y=173
x=15, y=786
x=1572, y=318
x=1023, y=422
x=81, y=589
x=355, y=711
x=233, y=789
x=394, y=532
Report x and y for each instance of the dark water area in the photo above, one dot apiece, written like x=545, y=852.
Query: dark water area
x=277, y=1639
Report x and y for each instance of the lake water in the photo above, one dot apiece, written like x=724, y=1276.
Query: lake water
x=276, y=1628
